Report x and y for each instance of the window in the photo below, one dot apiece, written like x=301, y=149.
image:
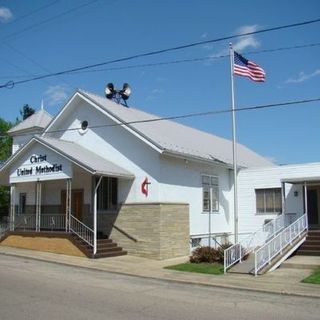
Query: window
x=268, y=200
x=22, y=203
x=210, y=193
x=107, y=196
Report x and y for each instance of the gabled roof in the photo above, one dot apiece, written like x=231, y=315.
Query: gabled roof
x=176, y=139
x=94, y=163
x=38, y=121
x=89, y=161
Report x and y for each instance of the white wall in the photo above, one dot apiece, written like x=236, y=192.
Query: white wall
x=117, y=145
x=172, y=180
x=181, y=181
x=19, y=141
x=270, y=177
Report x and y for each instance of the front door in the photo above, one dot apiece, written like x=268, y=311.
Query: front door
x=313, y=216
x=76, y=203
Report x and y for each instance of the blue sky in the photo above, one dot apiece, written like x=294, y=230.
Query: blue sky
x=46, y=36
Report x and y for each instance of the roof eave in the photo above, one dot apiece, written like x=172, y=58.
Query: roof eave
x=125, y=125
x=186, y=156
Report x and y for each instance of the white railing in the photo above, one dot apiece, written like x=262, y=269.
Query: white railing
x=4, y=228
x=238, y=251
x=53, y=222
x=25, y=222
x=276, y=245
x=81, y=230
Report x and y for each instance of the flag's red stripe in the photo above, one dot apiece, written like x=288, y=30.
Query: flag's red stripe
x=252, y=71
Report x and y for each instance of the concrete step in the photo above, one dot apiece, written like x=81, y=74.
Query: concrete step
x=310, y=246
x=308, y=252
x=110, y=254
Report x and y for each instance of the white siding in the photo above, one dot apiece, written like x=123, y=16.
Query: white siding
x=172, y=180
x=181, y=182
x=270, y=177
x=117, y=145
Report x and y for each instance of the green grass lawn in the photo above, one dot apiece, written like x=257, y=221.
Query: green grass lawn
x=208, y=268
x=313, y=278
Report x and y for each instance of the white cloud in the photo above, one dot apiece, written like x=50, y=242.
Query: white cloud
x=241, y=43
x=56, y=94
x=248, y=41
x=5, y=14
x=304, y=77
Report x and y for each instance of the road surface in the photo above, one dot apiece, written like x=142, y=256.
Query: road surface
x=32, y=289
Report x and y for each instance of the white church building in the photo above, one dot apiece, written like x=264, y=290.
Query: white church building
x=101, y=170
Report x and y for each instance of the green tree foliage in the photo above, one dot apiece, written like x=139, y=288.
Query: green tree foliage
x=5, y=140
x=5, y=152
x=26, y=111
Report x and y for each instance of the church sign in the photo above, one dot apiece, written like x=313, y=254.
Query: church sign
x=43, y=165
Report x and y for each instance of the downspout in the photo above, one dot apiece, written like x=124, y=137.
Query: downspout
x=95, y=216
x=306, y=203
x=12, y=206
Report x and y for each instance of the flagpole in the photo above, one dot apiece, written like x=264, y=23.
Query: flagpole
x=234, y=149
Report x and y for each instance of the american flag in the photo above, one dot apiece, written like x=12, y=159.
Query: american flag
x=246, y=68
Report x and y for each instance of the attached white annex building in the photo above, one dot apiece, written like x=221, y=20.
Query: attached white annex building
x=100, y=169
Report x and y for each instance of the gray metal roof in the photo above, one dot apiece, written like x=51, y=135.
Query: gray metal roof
x=177, y=139
x=82, y=157
x=39, y=120
x=85, y=158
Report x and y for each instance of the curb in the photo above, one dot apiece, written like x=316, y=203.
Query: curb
x=186, y=282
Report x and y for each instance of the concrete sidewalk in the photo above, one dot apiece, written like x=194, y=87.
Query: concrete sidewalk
x=285, y=280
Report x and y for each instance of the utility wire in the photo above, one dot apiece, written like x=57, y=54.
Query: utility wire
x=19, y=18
x=199, y=59
x=195, y=59
x=189, y=115
x=152, y=53
x=12, y=35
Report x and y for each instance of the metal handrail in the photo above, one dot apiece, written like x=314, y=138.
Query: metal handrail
x=53, y=221
x=25, y=221
x=81, y=230
x=4, y=228
x=276, y=245
x=238, y=251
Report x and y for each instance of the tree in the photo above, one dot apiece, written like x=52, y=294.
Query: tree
x=5, y=152
x=26, y=111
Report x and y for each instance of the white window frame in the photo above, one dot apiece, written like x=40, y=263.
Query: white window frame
x=264, y=190
x=213, y=188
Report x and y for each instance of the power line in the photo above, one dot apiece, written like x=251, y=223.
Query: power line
x=199, y=59
x=196, y=59
x=33, y=62
x=32, y=12
x=190, y=115
x=152, y=53
x=10, y=36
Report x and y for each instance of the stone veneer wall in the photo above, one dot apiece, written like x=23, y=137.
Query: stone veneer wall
x=152, y=230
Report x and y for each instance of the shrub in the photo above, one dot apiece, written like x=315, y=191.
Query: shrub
x=208, y=254
x=221, y=251
x=204, y=254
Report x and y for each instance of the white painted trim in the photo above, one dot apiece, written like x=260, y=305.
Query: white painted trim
x=287, y=255
x=54, y=120
x=117, y=120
